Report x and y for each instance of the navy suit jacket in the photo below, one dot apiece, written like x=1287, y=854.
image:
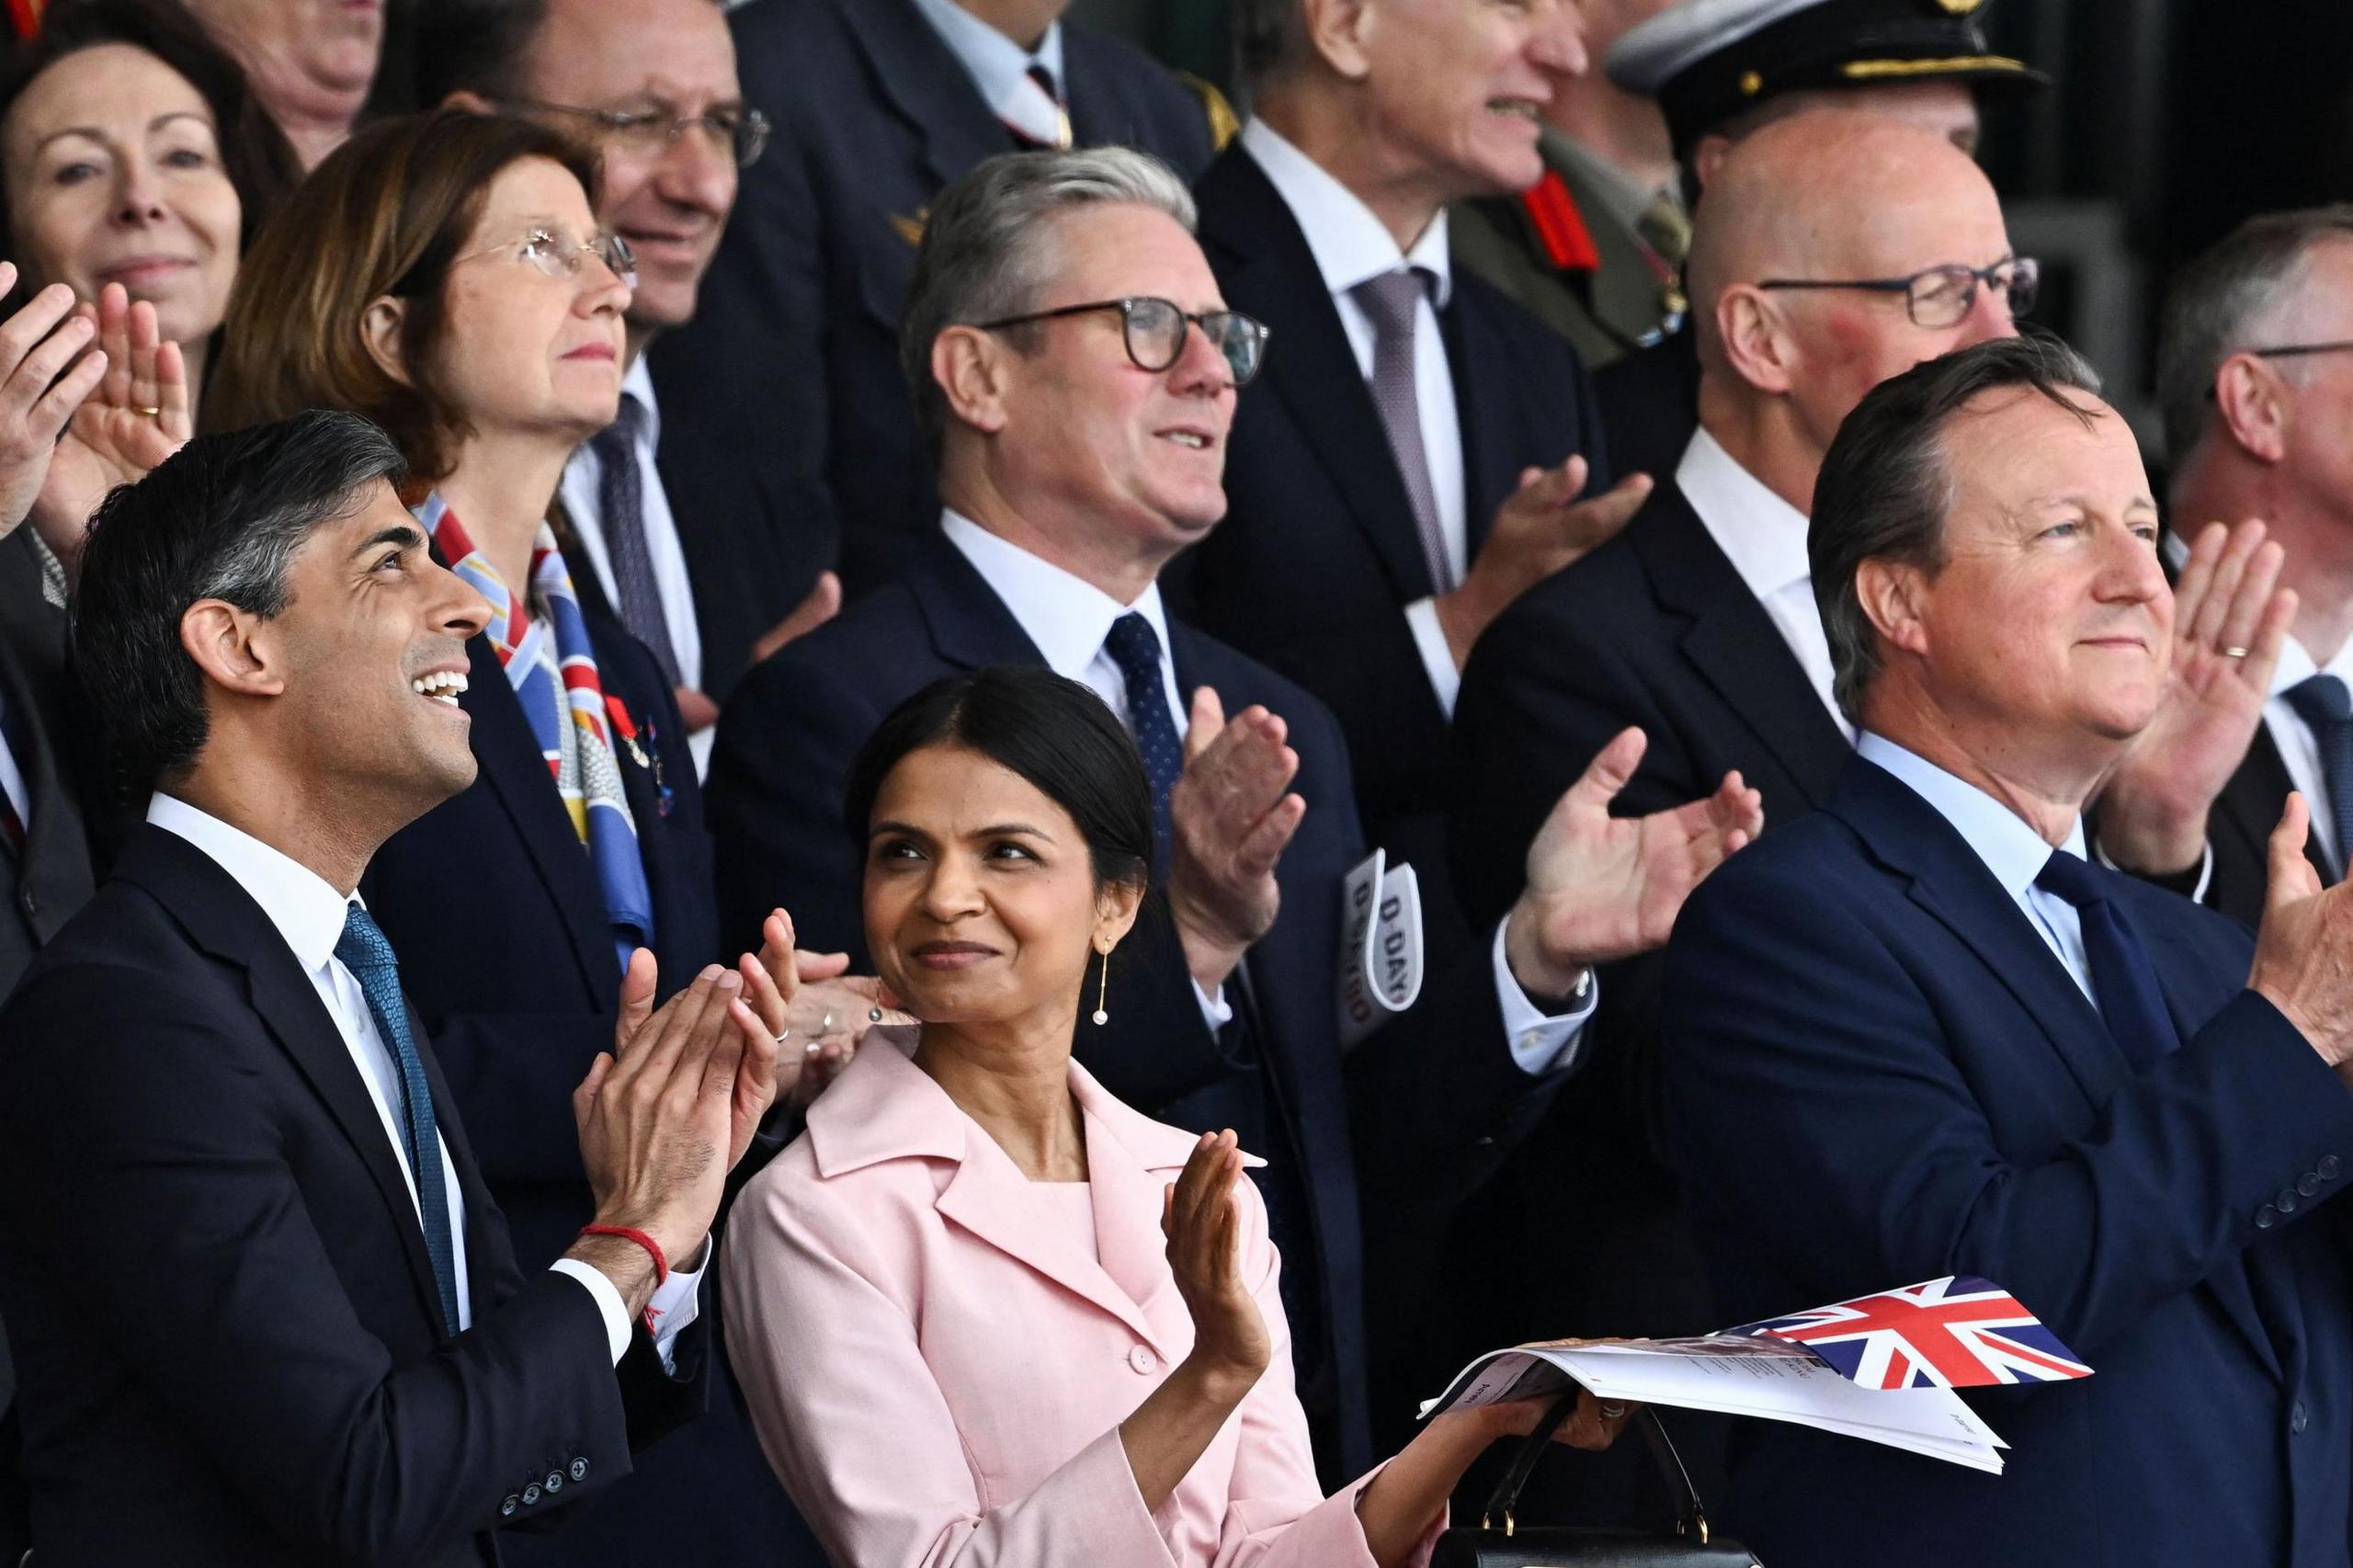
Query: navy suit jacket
x=1318, y=555
x=1433, y=1100
x=493, y=908
x=783, y=398
x=1878, y=1073
x=229, y=1346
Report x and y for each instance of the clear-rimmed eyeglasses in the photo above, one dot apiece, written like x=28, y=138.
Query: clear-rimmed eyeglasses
x=559, y=254
x=741, y=131
x=1155, y=329
x=1939, y=297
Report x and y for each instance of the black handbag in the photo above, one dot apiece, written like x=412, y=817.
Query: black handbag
x=1500, y=1542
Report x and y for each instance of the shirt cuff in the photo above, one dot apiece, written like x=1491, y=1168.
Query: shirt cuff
x=1216, y=1011
x=1438, y=659
x=2195, y=893
x=1540, y=1042
x=676, y=1304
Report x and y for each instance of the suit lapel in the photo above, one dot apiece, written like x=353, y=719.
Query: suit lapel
x=2251, y=802
x=970, y=628
x=1734, y=645
x=1271, y=274
x=516, y=773
x=1948, y=880
x=926, y=86
x=221, y=917
x=1481, y=408
x=56, y=856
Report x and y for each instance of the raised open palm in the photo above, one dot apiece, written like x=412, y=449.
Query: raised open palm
x=140, y=414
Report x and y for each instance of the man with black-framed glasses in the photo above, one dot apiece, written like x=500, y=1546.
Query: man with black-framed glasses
x=1076, y=370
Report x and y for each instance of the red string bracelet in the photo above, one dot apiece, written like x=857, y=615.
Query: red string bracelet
x=652, y=1250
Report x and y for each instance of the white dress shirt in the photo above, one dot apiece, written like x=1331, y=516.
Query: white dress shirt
x=581, y=478
x=1350, y=245
x=1764, y=537
x=1067, y=618
x=2299, y=747
x=2013, y=851
x=309, y=914
x=1000, y=68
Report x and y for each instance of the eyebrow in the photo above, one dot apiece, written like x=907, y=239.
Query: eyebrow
x=161, y=120
x=407, y=537
x=995, y=829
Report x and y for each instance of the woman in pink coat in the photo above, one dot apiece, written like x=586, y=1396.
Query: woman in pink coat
x=985, y=1313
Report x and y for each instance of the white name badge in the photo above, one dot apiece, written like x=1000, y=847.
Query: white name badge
x=1380, y=946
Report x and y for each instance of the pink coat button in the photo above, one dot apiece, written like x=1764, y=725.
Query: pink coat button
x=1143, y=1360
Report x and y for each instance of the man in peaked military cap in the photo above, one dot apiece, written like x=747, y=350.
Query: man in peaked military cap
x=1722, y=69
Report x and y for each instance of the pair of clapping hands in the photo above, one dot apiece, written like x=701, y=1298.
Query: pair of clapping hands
x=1599, y=887
x=91, y=397
x=668, y=1112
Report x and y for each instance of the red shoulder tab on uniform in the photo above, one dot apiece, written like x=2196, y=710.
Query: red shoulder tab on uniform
x=1560, y=227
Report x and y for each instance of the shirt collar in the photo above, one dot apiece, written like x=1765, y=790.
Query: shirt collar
x=309, y=914
x=1349, y=243
x=2011, y=849
x=1763, y=535
x=1065, y=615
x=997, y=66
x=639, y=383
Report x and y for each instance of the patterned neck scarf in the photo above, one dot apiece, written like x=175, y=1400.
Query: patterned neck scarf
x=543, y=645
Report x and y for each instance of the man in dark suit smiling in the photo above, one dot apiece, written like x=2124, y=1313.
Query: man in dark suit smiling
x=1079, y=371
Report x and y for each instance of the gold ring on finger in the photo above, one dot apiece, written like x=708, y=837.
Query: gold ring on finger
x=2234, y=652
x=150, y=410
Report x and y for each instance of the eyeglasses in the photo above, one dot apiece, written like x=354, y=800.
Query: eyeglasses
x=1155, y=332
x=742, y=133
x=558, y=254
x=1943, y=296
x=2288, y=351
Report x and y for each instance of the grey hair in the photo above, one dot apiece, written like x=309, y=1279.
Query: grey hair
x=1884, y=489
x=2233, y=289
x=987, y=249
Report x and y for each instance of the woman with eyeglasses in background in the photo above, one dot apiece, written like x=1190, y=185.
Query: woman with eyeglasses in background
x=444, y=276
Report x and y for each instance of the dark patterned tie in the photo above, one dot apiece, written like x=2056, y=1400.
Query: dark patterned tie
x=2125, y=983
x=1391, y=301
x=620, y=500
x=368, y=957
x=2321, y=702
x=1135, y=648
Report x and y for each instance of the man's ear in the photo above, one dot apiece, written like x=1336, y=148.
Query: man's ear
x=1337, y=30
x=379, y=333
x=1708, y=157
x=970, y=367
x=1894, y=598
x=232, y=648
x=2252, y=401
x=1756, y=341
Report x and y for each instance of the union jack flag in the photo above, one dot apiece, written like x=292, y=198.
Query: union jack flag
x=1960, y=1332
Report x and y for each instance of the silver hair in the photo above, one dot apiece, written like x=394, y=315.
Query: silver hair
x=988, y=249
x=2235, y=288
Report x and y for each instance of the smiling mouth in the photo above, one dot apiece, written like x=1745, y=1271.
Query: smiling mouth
x=1521, y=109
x=444, y=687
x=1192, y=440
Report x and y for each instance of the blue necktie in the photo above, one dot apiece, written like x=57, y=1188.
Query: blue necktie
x=1135, y=648
x=2124, y=981
x=2321, y=701
x=368, y=957
x=620, y=501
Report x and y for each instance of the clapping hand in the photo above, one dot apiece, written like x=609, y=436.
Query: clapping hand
x=44, y=377
x=820, y=1011
x=140, y=414
x=1541, y=528
x=1603, y=887
x=1232, y=813
x=2230, y=620
x=664, y=1115
x=1200, y=1214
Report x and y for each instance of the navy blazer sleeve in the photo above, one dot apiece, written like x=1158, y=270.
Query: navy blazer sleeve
x=1818, y=1108
x=169, y=1204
